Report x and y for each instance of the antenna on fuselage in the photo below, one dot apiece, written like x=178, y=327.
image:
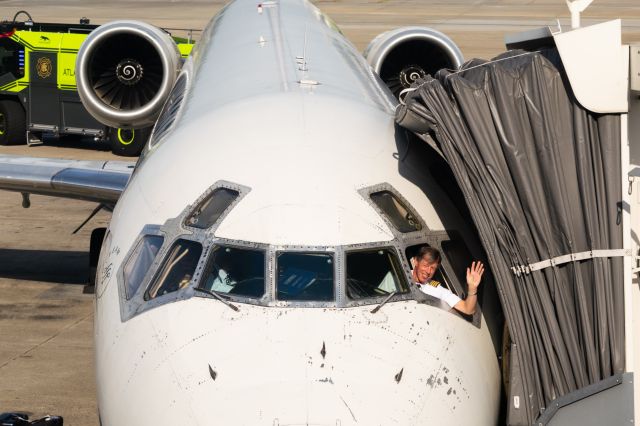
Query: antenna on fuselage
x=302, y=60
x=302, y=63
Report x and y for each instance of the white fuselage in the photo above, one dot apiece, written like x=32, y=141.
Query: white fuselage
x=279, y=102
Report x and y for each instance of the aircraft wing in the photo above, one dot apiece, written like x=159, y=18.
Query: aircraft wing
x=98, y=181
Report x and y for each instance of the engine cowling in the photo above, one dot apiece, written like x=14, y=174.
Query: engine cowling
x=403, y=55
x=125, y=71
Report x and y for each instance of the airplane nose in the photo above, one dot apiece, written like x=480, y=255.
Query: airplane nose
x=283, y=368
x=302, y=366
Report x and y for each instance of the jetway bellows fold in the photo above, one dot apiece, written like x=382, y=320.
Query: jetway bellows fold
x=542, y=178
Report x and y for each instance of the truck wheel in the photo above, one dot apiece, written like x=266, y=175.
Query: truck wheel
x=13, y=127
x=128, y=142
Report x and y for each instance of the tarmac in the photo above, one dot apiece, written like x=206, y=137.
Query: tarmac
x=46, y=322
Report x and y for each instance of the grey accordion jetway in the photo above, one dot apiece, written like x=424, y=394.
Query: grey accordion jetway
x=542, y=178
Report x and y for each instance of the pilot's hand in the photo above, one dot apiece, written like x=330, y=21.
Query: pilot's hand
x=474, y=275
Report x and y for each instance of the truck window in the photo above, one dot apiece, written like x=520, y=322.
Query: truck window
x=11, y=60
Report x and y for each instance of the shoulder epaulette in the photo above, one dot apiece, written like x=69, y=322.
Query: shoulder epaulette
x=434, y=283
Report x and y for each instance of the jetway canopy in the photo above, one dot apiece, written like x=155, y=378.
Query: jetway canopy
x=542, y=179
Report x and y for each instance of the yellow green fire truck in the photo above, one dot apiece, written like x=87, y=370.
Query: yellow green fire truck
x=38, y=93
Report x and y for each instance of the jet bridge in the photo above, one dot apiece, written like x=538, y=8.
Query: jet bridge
x=544, y=144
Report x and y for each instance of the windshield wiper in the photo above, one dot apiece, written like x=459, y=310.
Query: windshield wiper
x=377, y=308
x=217, y=296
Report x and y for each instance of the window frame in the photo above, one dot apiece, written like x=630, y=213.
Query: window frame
x=402, y=273
x=179, y=91
x=141, y=305
x=191, y=208
x=424, y=236
x=435, y=239
x=366, y=194
x=273, y=260
x=372, y=301
x=166, y=249
x=241, y=245
x=130, y=258
x=130, y=306
x=172, y=230
x=20, y=72
x=175, y=228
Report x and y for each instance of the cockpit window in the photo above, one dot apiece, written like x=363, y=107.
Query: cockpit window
x=138, y=264
x=177, y=269
x=210, y=210
x=373, y=273
x=11, y=60
x=396, y=211
x=236, y=271
x=440, y=276
x=305, y=276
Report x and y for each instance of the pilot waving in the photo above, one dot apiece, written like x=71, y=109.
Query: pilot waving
x=426, y=263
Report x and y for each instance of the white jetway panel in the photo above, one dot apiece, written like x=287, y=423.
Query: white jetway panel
x=634, y=69
x=596, y=64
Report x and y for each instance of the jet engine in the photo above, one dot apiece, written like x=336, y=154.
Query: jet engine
x=403, y=55
x=125, y=71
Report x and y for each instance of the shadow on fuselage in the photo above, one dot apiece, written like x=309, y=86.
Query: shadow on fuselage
x=422, y=165
x=425, y=167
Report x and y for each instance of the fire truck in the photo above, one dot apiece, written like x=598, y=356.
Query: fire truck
x=38, y=93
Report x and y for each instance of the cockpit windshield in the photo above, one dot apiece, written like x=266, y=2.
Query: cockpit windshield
x=140, y=261
x=305, y=276
x=210, y=210
x=235, y=271
x=186, y=258
x=373, y=273
x=177, y=269
x=399, y=214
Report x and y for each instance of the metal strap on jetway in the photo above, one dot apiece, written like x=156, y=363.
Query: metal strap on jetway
x=572, y=257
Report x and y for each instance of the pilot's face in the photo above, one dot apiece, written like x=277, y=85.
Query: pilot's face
x=424, y=270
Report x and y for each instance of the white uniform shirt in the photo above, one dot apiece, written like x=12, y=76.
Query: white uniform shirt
x=441, y=293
